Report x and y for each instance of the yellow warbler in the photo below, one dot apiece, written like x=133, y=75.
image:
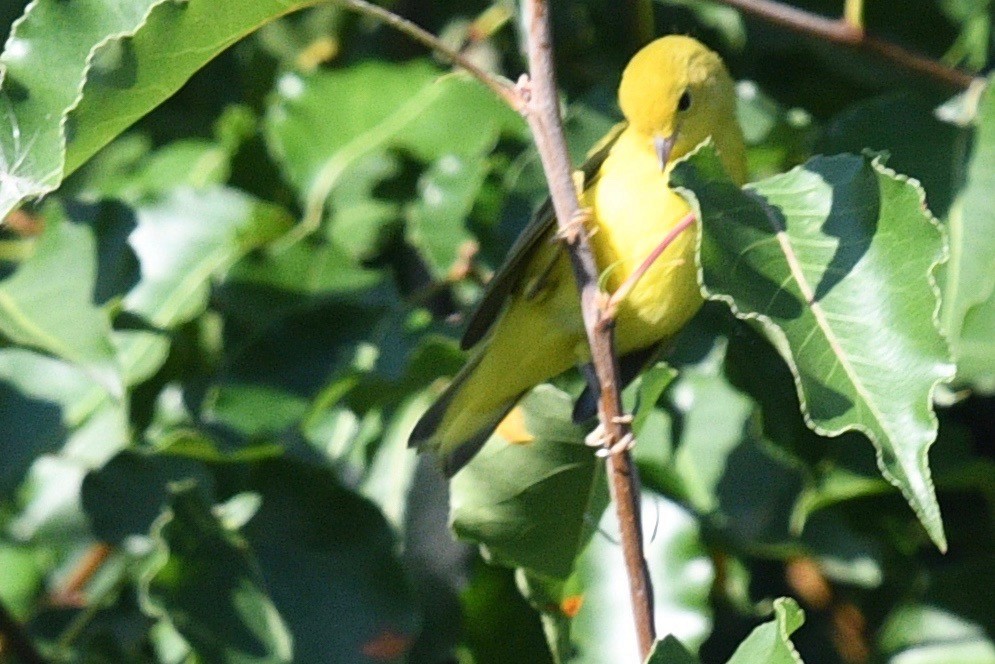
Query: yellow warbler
x=674, y=94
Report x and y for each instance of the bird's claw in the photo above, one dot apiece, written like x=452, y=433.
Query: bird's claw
x=602, y=441
x=523, y=86
x=578, y=222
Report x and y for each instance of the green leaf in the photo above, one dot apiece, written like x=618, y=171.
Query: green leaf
x=835, y=260
x=324, y=126
x=670, y=650
x=975, y=347
x=502, y=498
x=48, y=302
x=770, y=643
x=323, y=548
x=920, y=146
x=47, y=405
x=21, y=578
x=120, y=60
x=139, y=481
x=588, y=618
x=919, y=634
x=185, y=240
x=969, y=276
x=209, y=587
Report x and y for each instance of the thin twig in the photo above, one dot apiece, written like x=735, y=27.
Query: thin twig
x=327, y=179
x=543, y=115
x=16, y=640
x=841, y=31
x=71, y=592
x=501, y=86
x=623, y=291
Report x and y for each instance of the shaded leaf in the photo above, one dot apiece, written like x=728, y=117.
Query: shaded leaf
x=502, y=498
x=209, y=587
x=47, y=405
x=325, y=551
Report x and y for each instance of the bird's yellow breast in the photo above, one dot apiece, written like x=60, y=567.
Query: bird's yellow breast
x=634, y=209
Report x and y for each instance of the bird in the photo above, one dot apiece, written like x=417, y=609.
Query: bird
x=527, y=328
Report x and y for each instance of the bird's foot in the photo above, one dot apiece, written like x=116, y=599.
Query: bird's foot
x=578, y=223
x=600, y=439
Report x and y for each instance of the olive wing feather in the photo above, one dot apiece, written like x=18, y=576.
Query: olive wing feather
x=539, y=229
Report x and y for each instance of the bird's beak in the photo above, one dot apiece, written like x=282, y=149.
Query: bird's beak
x=663, y=146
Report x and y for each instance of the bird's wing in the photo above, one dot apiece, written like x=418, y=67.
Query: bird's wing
x=507, y=276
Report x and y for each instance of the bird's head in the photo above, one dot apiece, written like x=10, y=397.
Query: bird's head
x=673, y=93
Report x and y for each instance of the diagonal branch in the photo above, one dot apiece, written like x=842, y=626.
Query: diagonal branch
x=538, y=102
x=501, y=86
x=846, y=32
x=543, y=115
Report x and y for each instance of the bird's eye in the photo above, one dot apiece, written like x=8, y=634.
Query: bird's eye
x=684, y=103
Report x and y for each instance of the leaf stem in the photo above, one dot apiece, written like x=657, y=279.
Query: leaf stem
x=542, y=112
x=846, y=33
x=14, y=637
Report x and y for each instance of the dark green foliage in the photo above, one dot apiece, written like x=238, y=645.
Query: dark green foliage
x=223, y=310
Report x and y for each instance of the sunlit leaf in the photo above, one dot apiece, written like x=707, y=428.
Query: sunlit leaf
x=969, y=277
x=771, y=642
x=835, y=261
x=48, y=302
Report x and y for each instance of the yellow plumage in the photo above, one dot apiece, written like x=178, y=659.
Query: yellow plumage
x=674, y=94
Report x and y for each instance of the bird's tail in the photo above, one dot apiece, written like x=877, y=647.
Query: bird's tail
x=464, y=416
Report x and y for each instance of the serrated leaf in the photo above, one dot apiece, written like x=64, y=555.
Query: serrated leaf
x=209, y=586
x=120, y=60
x=502, y=498
x=48, y=302
x=920, y=146
x=770, y=643
x=835, y=261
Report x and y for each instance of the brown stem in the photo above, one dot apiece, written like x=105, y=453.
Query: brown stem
x=500, y=85
x=71, y=593
x=14, y=639
x=543, y=115
x=538, y=102
x=840, y=31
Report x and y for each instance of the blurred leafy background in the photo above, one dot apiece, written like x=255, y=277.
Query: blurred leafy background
x=218, y=332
